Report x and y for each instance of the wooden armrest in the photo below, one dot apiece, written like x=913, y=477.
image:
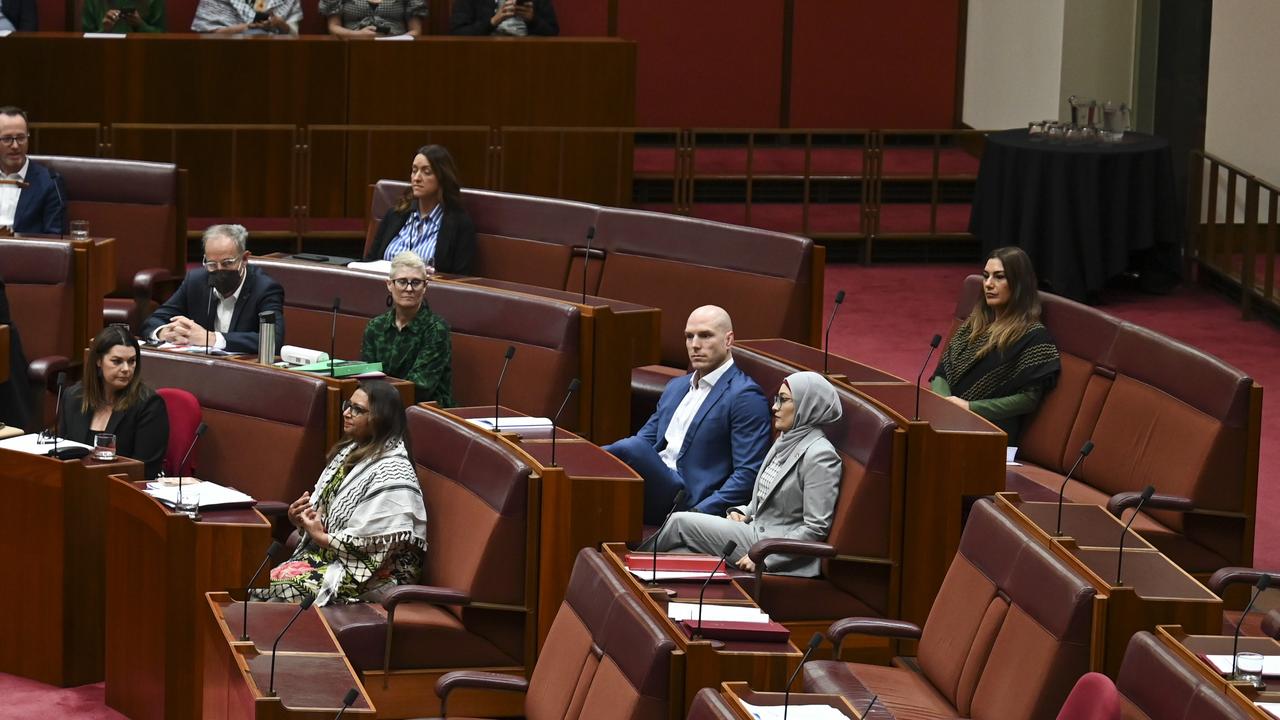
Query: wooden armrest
x=476, y=680
x=777, y=546
x=423, y=593
x=876, y=627
x=1228, y=576
x=1125, y=500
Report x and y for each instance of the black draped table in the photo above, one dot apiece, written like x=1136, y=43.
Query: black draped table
x=1085, y=211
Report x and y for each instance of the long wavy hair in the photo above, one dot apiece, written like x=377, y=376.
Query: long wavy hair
x=446, y=172
x=386, y=415
x=1022, y=312
x=95, y=391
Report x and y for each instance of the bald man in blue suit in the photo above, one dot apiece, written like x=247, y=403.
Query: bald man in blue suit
x=709, y=433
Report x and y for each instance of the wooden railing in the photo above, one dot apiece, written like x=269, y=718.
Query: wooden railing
x=1233, y=228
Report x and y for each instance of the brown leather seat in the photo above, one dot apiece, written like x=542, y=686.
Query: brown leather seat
x=1007, y=637
x=709, y=704
x=267, y=429
x=1155, y=684
x=604, y=657
x=473, y=606
x=860, y=552
x=143, y=205
x=1159, y=412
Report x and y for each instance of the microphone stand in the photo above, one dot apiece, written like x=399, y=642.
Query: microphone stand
x=933, y=345
x=574, y=384
x=244, y=622
x=271, y=683
x=1147, y=492
x=729, y=547
x=586, y=258
x=1084, y=453
x=511, y=352
x=826, y=341
x=680, y=496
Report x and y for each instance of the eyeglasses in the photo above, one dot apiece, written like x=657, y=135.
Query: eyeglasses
x=227, y=264
x=409, y=283
x=355, y=410
x=781, y=400
x=13, y=139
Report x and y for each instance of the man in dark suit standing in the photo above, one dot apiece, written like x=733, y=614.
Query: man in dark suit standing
x=709, y=433
x=20, y=14
x=32, y=198
x=218, y=305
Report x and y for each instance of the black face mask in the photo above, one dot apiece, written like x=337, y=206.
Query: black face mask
x=224, y=281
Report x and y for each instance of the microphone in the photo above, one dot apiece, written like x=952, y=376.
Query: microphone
x=680, y=497
x=728, y=549
x=271, y=683
x=1147, y=492
x=826, y=344
x=244, y=627
x=55, y=177
x=1264, y=581
x=333, y=335
x=511, y=352
x=57, y=413
x=1084, y=453
x=347, y=702
x=586, y=258
x=574, y=384
x=870, y=705
x=814, y=642
x=933, y=345
x=213, y=319
x=200, y=430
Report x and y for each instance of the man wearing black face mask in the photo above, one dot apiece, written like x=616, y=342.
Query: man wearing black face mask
x=218, y=304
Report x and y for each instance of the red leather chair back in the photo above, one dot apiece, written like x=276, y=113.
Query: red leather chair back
x=184, y=418
x=1093, y=698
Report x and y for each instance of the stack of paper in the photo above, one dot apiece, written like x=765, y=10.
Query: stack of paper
x=518, y=422
x=32, y=444
x=207, y=495
x=715, y=613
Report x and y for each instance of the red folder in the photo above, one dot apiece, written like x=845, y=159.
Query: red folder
x=754, y=632
x=643, y=562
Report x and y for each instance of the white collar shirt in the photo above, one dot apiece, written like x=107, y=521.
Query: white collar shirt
x=222, y=314
x=9, y=194
x=687, y=410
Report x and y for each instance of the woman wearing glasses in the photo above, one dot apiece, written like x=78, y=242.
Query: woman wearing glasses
x=410, y=341
x=363, y=529
x=795, y=492
x=429, y=219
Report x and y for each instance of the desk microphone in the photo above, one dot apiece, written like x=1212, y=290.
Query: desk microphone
x=574, y=384
x=244, y=627
x=870, y=705
x=826, y=342
x=933, y=345
x=1147, y=492
x=333, y=336
x=347, y=702
x=271, y=683
x=586, y=258
x=679, y=500
x=200, y=430
x=728, y=549
x=57, y=413
x=55, y=177
x=1264, y=581
x=511, y=352
x=1084, y=453
x=814, y=642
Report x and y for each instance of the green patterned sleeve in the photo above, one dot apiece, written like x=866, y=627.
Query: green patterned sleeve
x=940, y=386
x=432, y=373
x=368, y=345
x=1009, y=405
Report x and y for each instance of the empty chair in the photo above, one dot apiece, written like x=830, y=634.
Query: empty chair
x=184, y=417
x=1156, y=684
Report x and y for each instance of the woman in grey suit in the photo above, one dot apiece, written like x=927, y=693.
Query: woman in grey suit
x=795, y=492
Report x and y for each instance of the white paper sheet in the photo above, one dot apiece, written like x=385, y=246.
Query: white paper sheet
x=1272, y=709
x=29, y=443
x=798, y=712
x=207, y=494
x=1009, y=454
x=195, y=349
x=378, y=266
x=105, y=36
x=715, y=613
x=405, y=36
x=647, y=575
x=1270, y=664
x=512, y=423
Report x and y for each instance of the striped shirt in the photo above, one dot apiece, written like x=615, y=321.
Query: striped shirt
x=418, y=235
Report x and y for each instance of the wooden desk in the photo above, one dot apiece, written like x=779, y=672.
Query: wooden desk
x=1155, y=590
x=312, y=673
x=621, y=336
x=588, y=497
x=52, y=612
x=4, y=353
x=952, y=455
x=850, y=704
x=159, y=565
x=707, y=663
x=1190, y=647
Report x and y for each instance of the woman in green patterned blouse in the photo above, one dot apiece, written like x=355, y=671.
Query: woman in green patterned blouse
x=1002, y=360
x=410, y=341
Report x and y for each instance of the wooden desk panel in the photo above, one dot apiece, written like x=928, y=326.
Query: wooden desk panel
x=159, y=565
x=52, y=612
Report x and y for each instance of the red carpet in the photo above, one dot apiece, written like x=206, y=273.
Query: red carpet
x=27, y=699
x=891, y=311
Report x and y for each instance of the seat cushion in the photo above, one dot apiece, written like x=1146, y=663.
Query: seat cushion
x=426, y=636
x=906, y=693
x=1032, y=483
x=647, y=384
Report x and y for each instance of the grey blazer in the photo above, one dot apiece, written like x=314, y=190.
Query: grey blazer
x=801, y=505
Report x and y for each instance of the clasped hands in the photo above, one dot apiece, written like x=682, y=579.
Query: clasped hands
x=273, y=22
x=508, y=9
x=182, y=330
x=744, y=562
x=115, y=15
x=305, y=518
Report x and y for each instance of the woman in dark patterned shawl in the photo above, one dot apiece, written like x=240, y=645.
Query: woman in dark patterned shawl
x=1002, y=360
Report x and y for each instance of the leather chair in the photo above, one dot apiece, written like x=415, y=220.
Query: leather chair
x=1093, y=698
x=1258, y=623
x=475, y=604
x=604, y=657
x=1007, y=637
x=40, y=281
x=533, y=240
x=1161, y=413
x=1156, y=684
x=861, y=554
x=184, y=417
x=143, y=205
x=709, y=704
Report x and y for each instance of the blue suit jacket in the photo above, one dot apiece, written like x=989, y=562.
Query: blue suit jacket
x=259, y=294
x=42, y=206
x=726, y=442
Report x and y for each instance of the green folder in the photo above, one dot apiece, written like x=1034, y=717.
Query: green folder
x=341, y=368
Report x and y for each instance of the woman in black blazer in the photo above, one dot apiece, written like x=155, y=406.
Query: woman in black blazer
x=429, y=219
x=113, y=399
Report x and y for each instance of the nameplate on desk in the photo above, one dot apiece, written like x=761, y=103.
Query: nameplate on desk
x=795, y=711
x=748, y=631
x=1222, y=663
x=206, y=495
x=516, y=422
x=35, y=444
x=682, y=567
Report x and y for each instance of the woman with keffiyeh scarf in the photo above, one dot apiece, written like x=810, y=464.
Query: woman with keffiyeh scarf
x=362, y=530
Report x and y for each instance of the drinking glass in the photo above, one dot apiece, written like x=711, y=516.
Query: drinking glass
x=1249, y=668
x=79, y=229
x=104, y=446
